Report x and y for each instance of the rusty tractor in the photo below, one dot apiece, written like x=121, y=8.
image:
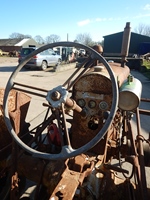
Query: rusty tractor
x=80, y=148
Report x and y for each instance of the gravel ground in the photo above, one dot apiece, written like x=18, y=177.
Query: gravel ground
x=8, y=60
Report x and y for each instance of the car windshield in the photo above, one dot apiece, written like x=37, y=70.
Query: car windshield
x=48, y=52
x=51, y=52
x=44, y=52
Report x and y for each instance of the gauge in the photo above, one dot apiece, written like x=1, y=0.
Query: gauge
x=81, y=102
x=103, y=105
x=92, y=104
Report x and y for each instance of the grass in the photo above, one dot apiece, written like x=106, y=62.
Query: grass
x=146, y=68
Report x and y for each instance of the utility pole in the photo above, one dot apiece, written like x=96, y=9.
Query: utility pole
x=67, y=37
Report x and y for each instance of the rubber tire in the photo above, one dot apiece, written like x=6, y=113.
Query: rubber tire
x=44, y=65
x=59, y=62
x=26, y=67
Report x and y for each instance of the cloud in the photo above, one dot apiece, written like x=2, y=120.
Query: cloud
x=142, y=16
x=146, y=7
x=88, y=21
x=100, y=19
x=84, y=22
x=107, y=19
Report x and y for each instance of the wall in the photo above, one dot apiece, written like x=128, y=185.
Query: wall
x=113, y=43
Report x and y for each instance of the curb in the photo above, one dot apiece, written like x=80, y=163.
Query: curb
x=64, y=67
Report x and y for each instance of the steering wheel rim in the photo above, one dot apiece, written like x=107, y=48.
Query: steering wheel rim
x=67, y=150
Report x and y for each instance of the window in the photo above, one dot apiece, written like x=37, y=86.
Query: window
x=26, y=51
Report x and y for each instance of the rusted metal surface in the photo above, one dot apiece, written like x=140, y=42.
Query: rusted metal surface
x=93, y=88
x=72, y=177
x=5, y=140
x=125, y=43
x=18, y=105
x=141, y=157
x=90, y=89
x=91, y=174
x=40, y=171
x=18, y=102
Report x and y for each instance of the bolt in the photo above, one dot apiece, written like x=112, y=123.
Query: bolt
x=55, y=96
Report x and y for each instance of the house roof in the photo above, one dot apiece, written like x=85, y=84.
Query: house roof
x=121, y=33
x=113, y=34
x=9, y=42
x=20, y=43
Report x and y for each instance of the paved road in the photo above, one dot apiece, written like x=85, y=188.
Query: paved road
x=145, y=120
x=45, y=80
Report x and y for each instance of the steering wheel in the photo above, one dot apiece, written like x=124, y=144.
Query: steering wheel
x=57, y=98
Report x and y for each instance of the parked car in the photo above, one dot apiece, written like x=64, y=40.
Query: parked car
x=1, y=52
x=42, y=60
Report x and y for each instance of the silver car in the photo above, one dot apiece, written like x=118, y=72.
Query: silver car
x=42, y=60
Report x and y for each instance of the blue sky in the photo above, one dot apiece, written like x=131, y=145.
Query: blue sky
x=61, y=17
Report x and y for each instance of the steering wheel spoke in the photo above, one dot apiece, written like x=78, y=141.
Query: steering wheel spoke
x=83, y=68
x=30, y=89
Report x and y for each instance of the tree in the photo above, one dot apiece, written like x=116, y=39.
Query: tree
x=52, y=38
x=39, y=39
x=143, y=29
x=19, y=35
x=84, y=38
x=16, y=35
x=27, y=36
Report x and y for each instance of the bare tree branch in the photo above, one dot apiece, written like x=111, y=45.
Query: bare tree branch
x=143, y=29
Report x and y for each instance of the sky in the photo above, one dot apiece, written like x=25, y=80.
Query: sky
x=67, y=18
